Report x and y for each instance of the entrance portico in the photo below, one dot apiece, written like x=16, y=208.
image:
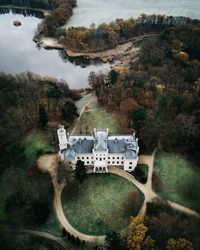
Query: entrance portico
x=100, y=167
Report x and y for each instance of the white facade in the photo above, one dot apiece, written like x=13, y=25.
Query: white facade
x=99, y=150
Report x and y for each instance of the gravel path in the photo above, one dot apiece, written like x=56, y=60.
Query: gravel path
x=48, y=236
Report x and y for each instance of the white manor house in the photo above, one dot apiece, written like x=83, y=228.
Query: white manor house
x=99, y=149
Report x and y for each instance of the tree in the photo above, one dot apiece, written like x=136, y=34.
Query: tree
x=112, y=77
x=139, y=116
x=43, y=119
x=28, y=199
x=179, y=244
x=137, y=232
x=113, y=241
x=69, y=111
x=53, y=91
x=80, y=171
x=64, y=172
x=64, y=232
x=149, y=244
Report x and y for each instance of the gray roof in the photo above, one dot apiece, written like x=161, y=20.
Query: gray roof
x=101, y=142
x=126, y=145
x=130, y=154
x=120, y=146
x=83, y=146
x=116, y=146
x=69, y=154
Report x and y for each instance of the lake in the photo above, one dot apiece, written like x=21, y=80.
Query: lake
x=98, y=11
x=18, y=53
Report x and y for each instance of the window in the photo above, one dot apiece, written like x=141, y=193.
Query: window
x=130, y=163
x=121, y=162
x=118, y=158
x=113, y=162
x=82, y=158
x=97, y=158
x=78, y=158
x=113, y=158
x=117, y=162
x=88, y=162
x=87, y=157
x=109, y=157
x=122, y=157
x=108, y=162
x=130, y=167
x=104, y=158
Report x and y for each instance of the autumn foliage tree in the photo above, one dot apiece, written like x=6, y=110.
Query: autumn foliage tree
x=179, y=244
x=137, y=233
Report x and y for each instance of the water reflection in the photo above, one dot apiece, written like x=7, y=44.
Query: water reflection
x=24, y=12
x=19, y=53
x=99, y=11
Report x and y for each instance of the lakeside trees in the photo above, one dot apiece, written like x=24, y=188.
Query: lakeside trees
x=59, y=15
x=161, y=86
x=40, y=4
x=107, y=36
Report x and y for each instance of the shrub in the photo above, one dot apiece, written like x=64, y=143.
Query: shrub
x=35, y=145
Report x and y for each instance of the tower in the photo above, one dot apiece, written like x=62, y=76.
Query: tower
x=62, y=137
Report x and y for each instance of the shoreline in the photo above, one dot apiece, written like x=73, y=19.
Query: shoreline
x=44, y=11
x=122, y=52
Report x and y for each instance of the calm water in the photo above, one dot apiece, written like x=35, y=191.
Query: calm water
x=98, y=11
x=19, y=53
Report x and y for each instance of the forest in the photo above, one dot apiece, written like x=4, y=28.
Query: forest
x=39, y=4
x=62, y=10
x=160, y=92
x=34, y=107
x=107, y=36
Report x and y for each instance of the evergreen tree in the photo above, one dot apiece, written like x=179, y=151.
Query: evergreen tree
x=69, y=111
x=114, y=241
x=80, y=171
x=139, y=116
x=43, y=119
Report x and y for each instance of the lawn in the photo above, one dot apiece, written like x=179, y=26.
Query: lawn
x=180, y=180
x=98, y=118
x=104, y=202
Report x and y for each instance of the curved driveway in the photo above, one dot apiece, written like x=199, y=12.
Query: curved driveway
x=146, y=189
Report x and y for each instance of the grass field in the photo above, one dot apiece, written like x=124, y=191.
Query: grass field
x=180, y=179
x=98, y=118
x=104, y=202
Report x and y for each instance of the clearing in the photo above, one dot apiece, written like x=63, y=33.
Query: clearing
x=180, y=180
x=103, y=203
